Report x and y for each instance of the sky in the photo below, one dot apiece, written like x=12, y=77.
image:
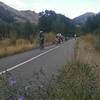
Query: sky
x=69, y=8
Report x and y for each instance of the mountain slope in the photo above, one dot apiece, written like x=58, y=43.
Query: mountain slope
x=16, y=15
x=80, y=20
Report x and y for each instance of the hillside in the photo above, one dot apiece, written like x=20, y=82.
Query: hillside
x=9, y=14
x=80, y=20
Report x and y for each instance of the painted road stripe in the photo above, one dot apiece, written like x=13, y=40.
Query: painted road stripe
x=18, y=65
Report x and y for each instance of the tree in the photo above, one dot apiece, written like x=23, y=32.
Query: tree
x=93, y=24
x=52, y=22
x=29, y=30
x=4, y=29
x=46, y=20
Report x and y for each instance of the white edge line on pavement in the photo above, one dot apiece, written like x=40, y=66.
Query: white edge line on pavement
x=18, y=65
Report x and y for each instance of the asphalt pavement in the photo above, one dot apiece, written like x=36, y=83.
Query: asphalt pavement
x=51, y=59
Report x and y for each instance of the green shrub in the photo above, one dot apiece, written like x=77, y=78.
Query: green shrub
x=78, y=81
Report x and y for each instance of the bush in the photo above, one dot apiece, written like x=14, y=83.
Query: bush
x=78, y=81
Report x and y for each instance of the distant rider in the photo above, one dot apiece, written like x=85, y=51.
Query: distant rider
x=59, y=38
x=75, y=36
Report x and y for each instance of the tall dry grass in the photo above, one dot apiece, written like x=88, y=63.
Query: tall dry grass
x=87, y=52
x=49, y=38
x=12, y=46
x=7, y=48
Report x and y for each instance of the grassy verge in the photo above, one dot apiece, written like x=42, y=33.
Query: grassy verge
x=87, y=50
x=10, y=47
x=94, y=41
x=76, y=81
x=7, y=48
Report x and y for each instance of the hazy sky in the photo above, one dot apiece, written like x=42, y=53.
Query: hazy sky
x=70, y=8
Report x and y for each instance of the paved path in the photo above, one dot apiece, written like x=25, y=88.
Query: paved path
x=51, y=59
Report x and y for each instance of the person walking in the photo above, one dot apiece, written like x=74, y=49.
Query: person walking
x=41, y=37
